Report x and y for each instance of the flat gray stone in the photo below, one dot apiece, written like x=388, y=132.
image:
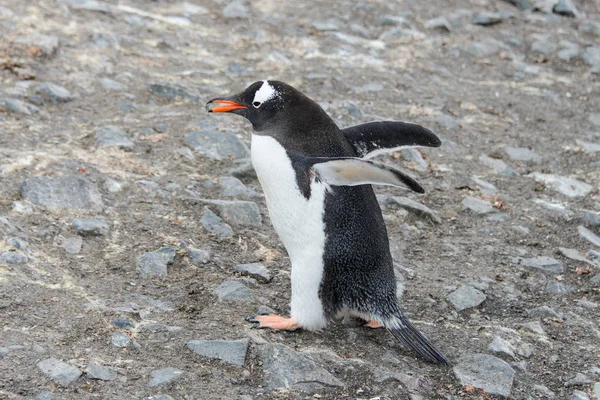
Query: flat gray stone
x=234, y=291
x=466, y=297
x=414, y=207
x=213, y=223
x=70, y=192
x=61, y=372
x=558, y=288
x=119, y=339
x=579, y=395
x=597, y=390
x=87, y=5
x=483, y=48
x=198, y=257
x=554, y=208
x=73, y=244
x=100, y=372
x=594, y=119
x=254, y=270
x=110, y=84
x=595, y=281
x=90, y=226
x=522, y=154
x=217, y=145
x=592, y=28
x=235, y=9
x=155, y=263
x=159, y=397
x=497, y=165
x=416, y=158
x=491, y=374
x=544, y=312
x=543, y=45
x=567, y=186
x=13, y=258
x=288, y=369
x=544, y=264
x=534, y=327
x=113, y=136
x=501, y=347
x=544, y=391
x=477, y=206
x=565, y=7
x=485, y=186
x=164, y=375
x=48, y=43
x=233, y=187
x=238, y=212
x=578, y=380
x=573, y=254
x=439, y=23
x=588, y=147
x=172, y=93
x=18, y=106
x=588, y=235
x=54, y=93
x=229, y=351
x=487, y=18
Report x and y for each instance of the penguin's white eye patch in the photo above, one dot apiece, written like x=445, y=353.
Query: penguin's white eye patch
x=265, y=93
x=256, y=104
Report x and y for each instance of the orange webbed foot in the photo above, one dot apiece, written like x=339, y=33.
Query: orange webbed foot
x=373, y=324
x=273, y=321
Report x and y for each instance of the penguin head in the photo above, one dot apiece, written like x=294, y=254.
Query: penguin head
x=264, y=103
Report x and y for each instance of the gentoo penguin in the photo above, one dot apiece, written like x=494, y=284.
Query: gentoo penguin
x=317, y=183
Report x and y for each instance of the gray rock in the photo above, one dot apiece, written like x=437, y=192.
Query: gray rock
x=491, y=374
x=578, y=380
x=587, y=304
x=497, y=165
x=228, y=351
x=87, y=5
x=113, y=186
x=477, y=206
x=171, y=93
x=71, y=192
x=164, y=375
x=155, y=263
x=235, y=70
x=17, y=243
x=595, y=281
x=555, y=208
x=237, y=212
x=119, y=339
x=109, y=84
x=544, y=264
x=565, y=7
x=213, y=223
x=567, y=186
x=100, y=372
x=522, y=154
x=61, y=372
x=235, y=9
x=484, y=48
x=488, y=18
x=185, y=152
x=18, y=106
x=543, y=44
x=579, y=395
x=54, y=93
x=466, y=297
x=90, y=226
x=288, y=369
x=597, y=390
x=521, y=4
x=47, y=43
x=439, y=23
x=573, y=254
x=233, y=187
x=594, y=119
x=588, y=235
x=413, y=156
x=234, y=291
x=485, y=186
x=414, y=207
x=591, y=55
x=113, y=136
x=501, y=347
x=13, y=258
x=447, y=121
x=122, y=322
x=556, y=287
x=534, y=327
x=394, y=20
x=73, y=244
x=544, y=391
x=588, y=147
x=198, y=257
x=568, y=51
x=326, y=25
x=159, y=397
x=217, y=145
x=255, y=271
x=590, y=27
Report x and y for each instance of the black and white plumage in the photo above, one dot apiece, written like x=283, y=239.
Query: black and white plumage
x=317, y=183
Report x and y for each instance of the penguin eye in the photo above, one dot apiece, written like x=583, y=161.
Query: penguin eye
x=256, y=104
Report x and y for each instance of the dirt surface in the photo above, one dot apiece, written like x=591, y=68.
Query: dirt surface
x=482, y=89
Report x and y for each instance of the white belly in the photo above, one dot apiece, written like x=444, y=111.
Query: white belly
x=299, y=223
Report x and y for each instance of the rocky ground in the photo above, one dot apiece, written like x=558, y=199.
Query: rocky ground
x=134, y=237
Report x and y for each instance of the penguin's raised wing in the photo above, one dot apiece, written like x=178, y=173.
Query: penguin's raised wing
x=373, y=138
x=356, y=171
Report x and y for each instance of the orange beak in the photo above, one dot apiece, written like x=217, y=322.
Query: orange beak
x=218, y=105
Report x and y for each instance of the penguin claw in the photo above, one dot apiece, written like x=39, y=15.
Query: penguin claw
x=272, y=321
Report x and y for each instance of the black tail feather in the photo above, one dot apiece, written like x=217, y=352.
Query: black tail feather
x=409, y=336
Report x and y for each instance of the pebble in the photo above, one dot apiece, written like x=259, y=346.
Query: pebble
x=543, y=45
x=556, y=287
x=555, y=208
x=587, y=304
x=487, y=18
x=588, y=235
x=414, y=207
x=110, y=84
x=119, y=339
x=501, y=347
x=213, y=223
x=438, y=23
x=234, y=291
x=18, y=106
x=568, y=51
x=591, y=55
x=164, y=375
x=489, y=373
x=484, y=48
x=565, y=7
x=233, y=187
x=17, y=243
x=113, y=186
x=522, y=154
x=447, y=121
x=287, y=369
x=122, y=322
x=229, y=351
x=90, y=226
x=47, y=43
x=54, y=93
x=534, y=327
x=414, y=157
x=597, y=390
x=544, y=264
x=579, y=395
x=171, y=93
x=544, y=391
x=594, y=119
x=578, y=380
x=216, y=145
x=61, y=372
x=595, y=281
x=13, y=258
x=590, y=27
x=159, y=397
x=70, y=192
x=254, y=270
x=87, y=5
x=113, y=136
x=235, y=9
x=238, y=212
x=100, y=372
x=155, y=263
x=567, y=186
x=592, y=218
x=485, y=186
x=198, y=257
x=497, y=165
x=477, y=206
x=394, y=20
x=466, y=297
x=73, y=244
x=544, y=312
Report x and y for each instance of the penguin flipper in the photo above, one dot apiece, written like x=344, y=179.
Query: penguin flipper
x=373, y=138
x=356, y=171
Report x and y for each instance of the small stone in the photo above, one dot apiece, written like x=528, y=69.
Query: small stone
x=447, y=121
x=159, y=397
x=18, y=106
x=568, y=51
x=522, y=154
x=487, y=18
x=597, y=390
x=573, y=254
x=497, y=165
x=466, y=297
x=217, y=145
x=543, y=45
x=54, y=93
x=587, y=304
x=255, y=271
x=565, y=7
x=109, y=84
x=544, y=391
x=567, y=186
x=47, y=43
x=155, y=263
x=477, y=206
x=595, y=281
x=213, y=223
x=439, y=23
x=17, y=243
x=164, y=375
x=198, y=257
x=592, y=28
x=578, y=380
x=113, y=136
x=244, y=213
x=13, y=258
x=113, y=186
x=61, y=372
x=122, y=322
x=416, y=159
x=100, y=372
x=327, y=25
x=491, y=374
x=119, y=339
x=588, y=147
x=90, y=226
x=414, y=207
x=501, y=347
x=544, y=264
x=234, y=291
x=394, y=20
x=591, y=55
x=554, y=208
x=233, y=187
x=235, y=9
x=69, y=192
x=525, y=350
x=171, y=93
x=544, y=312
x=484, y=48
x=579, y=395
x=229, y=351
x=88, y=5
x=534, y=327
x=556, y=287
x=73, y=244
x=185, y=152
x=588, y=235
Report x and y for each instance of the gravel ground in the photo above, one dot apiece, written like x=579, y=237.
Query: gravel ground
x=129, y=216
